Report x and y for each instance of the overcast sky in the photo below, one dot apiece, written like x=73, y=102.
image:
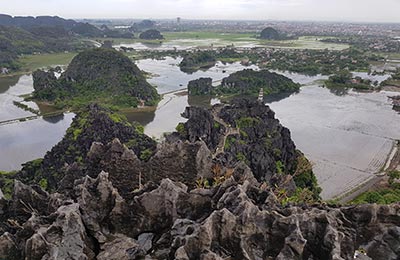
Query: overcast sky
x=318, y=10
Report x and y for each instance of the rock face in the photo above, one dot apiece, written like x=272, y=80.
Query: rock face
x=249, y=81
x=151, y=34
x=43, y=81
x=269, y=33
x=247, y=131
x=237, y=219
x=94, y=124
x=201, y=86
x=94, y=74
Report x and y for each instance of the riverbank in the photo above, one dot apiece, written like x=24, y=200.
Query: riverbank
x=374, y=182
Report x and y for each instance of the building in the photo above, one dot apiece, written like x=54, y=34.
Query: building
x=178, y=20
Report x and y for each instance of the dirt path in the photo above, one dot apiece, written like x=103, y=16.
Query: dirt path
x=228, y=131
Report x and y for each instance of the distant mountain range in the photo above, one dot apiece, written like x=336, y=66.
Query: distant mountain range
x=27, y=35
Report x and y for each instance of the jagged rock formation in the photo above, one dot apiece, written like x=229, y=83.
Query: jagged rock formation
x=249, y=81
x=95, y=124
x=186, y=200
x=201, y=86
x=237, y=219
x=95, y=74
x=247, y=131
x=151, y=34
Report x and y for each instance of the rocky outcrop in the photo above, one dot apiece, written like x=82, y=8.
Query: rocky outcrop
x=190, y=199
x=93, y=124
x=97, y=73
x=247, y=131
x=193, y=61
x=151, y=34
x=238, y=219
x=250, y=82
x=201, y=86
x=201, y=126
x=43, y=80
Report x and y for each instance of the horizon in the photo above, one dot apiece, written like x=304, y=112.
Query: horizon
x=183, y=19
x=357, y=11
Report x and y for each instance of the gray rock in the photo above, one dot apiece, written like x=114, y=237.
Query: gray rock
x=65, y=238
x=145, y=241
x=120, y=248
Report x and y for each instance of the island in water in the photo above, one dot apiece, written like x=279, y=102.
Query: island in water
x=102, y=75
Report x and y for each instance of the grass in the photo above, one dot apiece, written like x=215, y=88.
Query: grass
x=34, y=62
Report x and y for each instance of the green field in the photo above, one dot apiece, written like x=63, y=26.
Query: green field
x=34, y=62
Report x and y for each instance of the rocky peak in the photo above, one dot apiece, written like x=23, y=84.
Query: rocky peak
x=93, y=124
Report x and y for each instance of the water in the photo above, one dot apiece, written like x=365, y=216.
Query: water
x=347, y=137
x=186, y=44
x=10, y=90
x=24, y=141
x=170, y=78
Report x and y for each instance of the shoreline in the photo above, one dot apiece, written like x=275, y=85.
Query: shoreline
x=392, y=161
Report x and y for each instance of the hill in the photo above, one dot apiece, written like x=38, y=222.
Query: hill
x=269, y=33
x=103, y=75
x=193, y=61
x=151, y=34
x=249, y=82
x=45, y=34
x=15, y=41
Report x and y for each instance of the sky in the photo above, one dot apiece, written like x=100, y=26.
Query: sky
x=286, y=10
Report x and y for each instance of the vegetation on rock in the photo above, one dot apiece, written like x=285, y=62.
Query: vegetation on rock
x=344, y=79
x=92, y=124
x=193, y=61
x=151, y=34
x=101, y=75
x=249, y=82
x=269, y=33
x=201, y=86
